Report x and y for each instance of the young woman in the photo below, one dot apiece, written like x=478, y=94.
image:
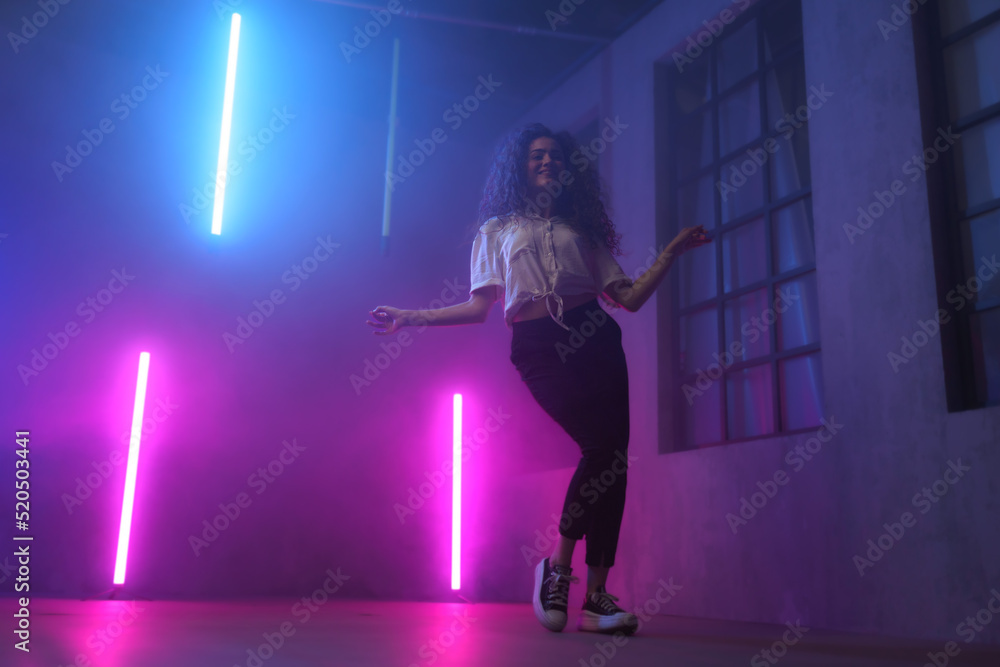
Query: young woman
x=546, y=243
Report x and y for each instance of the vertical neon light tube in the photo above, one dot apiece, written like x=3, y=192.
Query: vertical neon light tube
x=221, y=172
x=390, y=149
x=133, y=465
x=456, y=494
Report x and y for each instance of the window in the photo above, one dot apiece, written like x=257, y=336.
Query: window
x=964, y=92
x=739, y=338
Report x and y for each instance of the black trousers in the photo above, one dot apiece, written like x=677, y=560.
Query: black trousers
x=580, y=379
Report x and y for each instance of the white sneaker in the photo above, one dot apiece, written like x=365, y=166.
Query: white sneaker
x=601, y=614
x=552, y=594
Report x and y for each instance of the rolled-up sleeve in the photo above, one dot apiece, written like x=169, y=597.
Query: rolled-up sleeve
x=487, y=262
x=606, y=269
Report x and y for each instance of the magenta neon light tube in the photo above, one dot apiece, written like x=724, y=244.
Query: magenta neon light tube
x=456, y=494
x=221, y=172
x=133, y=465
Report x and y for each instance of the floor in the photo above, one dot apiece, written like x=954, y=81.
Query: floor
x=280, y=633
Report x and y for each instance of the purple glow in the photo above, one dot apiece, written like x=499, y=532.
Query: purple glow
x=456, y=494
x=125, y=527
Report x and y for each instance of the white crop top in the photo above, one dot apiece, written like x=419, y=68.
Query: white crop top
x=535, y=258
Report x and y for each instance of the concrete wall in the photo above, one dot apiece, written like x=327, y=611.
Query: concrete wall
x=794, y=560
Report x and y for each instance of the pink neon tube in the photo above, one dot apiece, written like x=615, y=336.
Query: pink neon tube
x=456, y=494
x=133, y=465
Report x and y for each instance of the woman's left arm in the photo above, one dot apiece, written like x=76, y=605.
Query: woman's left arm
x=631, y=295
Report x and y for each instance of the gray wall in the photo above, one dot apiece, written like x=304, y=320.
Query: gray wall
x=794, y=560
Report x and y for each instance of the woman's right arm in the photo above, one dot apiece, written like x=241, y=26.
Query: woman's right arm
x=387, y=320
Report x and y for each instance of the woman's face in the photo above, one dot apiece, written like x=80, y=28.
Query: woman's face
x=545, y=163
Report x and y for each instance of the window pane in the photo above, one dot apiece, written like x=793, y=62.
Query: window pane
x=790, y=165
x=697, y=273
x=741, y=190
x=981, y=239
x=744, y=258
x=744, y=323
x=786, y=92
x=739, y=118
x=971, y=72
x=694, y=144
x=792, y=236
x=801, y=388
x=699, y=339
x=737, y=55
x=956, y=14
x=749, y=409
x=696, y=203
x=799, y=323
x=702, y=414
x=693, y=86
x=782, y=25
x=986, y=354
x=978, y=164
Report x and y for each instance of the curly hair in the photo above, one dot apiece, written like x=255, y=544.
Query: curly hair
x=580, y=200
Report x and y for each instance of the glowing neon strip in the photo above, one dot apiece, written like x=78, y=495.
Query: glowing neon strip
x=221, y=172
x=456, y=494
x=133, y=465
x=390, y=149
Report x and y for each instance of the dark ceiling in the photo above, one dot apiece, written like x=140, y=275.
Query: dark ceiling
x=530, y=45
x=446, y=45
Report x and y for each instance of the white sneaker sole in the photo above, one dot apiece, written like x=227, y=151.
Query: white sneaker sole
x=551, y=620
x=591, y=622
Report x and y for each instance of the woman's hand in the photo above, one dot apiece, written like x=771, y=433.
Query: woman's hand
x=386, y=320
x=689, y=238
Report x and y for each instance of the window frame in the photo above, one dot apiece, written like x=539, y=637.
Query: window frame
x=958, y=355
x=671, y=411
